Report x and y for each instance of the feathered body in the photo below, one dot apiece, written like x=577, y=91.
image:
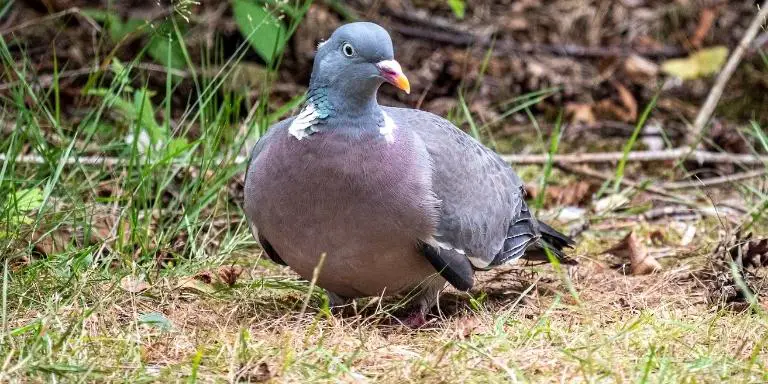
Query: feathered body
x=398, y=199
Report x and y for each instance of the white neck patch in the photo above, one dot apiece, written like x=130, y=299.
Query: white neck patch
x=388, y=130
x=303, y=125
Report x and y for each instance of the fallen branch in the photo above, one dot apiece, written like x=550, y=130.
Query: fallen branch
x=641, y=156
x=575, y=158
x=41, y=20
x=97, y=160
x=722, y=78
x=624, y=181
x=715, y=180
x=47, y=79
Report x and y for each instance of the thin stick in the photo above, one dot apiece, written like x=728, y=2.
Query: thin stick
x=575, y=158
x=715, y=180
x=47, y=80
x=44, y=19
x=315, y=276
x=626, y=182
x=93, y=160
x=717, y=89
x=641, y=156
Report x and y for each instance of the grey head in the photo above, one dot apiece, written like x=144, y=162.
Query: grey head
x=348, y=70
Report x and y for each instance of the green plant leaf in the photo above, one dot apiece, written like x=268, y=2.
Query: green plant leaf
x=458, y=7
x=177, y=146
x=264, y=31
x=703, y=63
x=167, y=50
x=156, y=320
x=28, y=199
x=145, y=112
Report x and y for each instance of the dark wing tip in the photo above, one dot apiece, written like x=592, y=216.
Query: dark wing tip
x=270, y=251
x=452, y=266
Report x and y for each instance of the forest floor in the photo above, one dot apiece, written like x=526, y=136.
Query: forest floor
x=125, y=257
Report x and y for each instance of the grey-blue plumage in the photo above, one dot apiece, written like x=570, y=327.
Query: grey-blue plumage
x=398, y=199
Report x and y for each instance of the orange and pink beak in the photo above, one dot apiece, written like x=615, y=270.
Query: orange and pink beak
x=392, y=73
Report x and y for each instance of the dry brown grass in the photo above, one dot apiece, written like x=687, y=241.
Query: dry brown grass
x=521, y=324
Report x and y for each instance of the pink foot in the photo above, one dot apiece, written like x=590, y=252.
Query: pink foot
x=415, y=320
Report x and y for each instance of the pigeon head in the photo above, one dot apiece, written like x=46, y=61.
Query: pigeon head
x=354, y=62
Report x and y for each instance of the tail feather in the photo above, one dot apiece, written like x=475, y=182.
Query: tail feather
x=553, y=241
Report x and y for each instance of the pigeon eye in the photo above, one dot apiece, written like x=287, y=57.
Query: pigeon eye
x=348, y=50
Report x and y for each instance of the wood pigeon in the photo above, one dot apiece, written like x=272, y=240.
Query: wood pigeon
x=399, y=200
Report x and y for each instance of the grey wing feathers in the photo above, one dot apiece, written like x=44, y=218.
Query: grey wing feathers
x=481, y=197
x=520, y=234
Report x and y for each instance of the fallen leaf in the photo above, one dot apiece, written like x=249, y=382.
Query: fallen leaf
x=229, y=274
x=688, y=235
x=706, y=20
x=205, y=277
x=703, y=63
x=466, y=327
x=580, y=113
x=133, y=284
x=157, y=320
x=750, y=252
x=630, y=104
x=254, y=373
x=570, y=213
x=193, y=284
x=657, y=237
x=610, y=203
x=632, y=248
x=571, y=194
x=639, y=69
x=53, y=242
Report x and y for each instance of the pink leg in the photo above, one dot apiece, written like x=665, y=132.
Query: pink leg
x=415, y=320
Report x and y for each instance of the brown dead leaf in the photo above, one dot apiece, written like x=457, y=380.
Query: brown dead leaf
x=607, y=109
x=133, y=284
x=258, y=373
x=630, y=104
x=466, y=327
x=572, y=194
x=191, y=283
x=632, y=248
x=640, y=70
x=750, y=252
x=53, y=242
x=580, y=113
x=626, y=112
x=229, y=274
x=657, y=237
x=205, y=277
x=706, y=20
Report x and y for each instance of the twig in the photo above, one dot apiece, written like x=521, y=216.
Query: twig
x=47, y=80
x=641, y=156
x=715, y=180
x=576, y=158
x=678, y=211
x=624, y=181
x=71, y=11
x=722, y=78
x=96, y=160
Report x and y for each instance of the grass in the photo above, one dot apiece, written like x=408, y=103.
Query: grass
x=113, y=272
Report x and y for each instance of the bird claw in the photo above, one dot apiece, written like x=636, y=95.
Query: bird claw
x=415, y=320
